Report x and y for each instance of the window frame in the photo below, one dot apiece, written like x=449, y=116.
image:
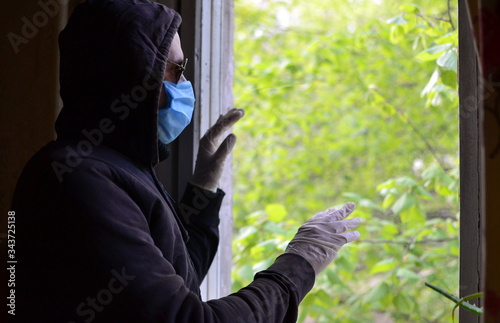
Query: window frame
x=210, y=25
x=207, y=40
x=470, y=166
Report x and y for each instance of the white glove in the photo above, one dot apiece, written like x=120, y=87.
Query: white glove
x=212, y=154
x=320, y=238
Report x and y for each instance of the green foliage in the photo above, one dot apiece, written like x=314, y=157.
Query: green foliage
x=350, y=101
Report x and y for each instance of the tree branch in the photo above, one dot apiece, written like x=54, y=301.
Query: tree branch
x=403, y=117
x=422, y=137
x=448, y=20
x=424, y=241
x=449, y=15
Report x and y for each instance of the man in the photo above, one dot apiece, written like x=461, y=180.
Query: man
x=98, y=238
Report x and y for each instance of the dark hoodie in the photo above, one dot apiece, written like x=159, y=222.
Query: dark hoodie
x=97, y=237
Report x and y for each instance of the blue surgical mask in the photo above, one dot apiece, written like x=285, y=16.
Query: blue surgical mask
x=177, y=114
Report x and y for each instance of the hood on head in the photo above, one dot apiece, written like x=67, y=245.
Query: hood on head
x=113, y=58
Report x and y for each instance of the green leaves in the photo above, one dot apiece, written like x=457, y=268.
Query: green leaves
x=389, y=230
x=403, y=203
x=397, y=20
x=276, y=212
x=448, y=60
x=412, y=217
x=377, y=293
x=404, y=303
x=410, y=8
x=384, y=266
x=408, y=275
x=432, y=53
x=350, y=101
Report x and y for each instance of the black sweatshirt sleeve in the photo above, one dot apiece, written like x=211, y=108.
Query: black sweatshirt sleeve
x=199, y=213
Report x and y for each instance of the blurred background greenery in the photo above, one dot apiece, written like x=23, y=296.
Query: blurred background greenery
x=351, y=101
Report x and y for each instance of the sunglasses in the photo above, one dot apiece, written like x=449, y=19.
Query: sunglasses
x=180, y=69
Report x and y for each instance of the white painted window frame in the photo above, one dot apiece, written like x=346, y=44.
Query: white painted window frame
x=213, y=85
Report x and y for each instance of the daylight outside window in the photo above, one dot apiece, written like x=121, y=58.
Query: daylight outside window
x=351, y=101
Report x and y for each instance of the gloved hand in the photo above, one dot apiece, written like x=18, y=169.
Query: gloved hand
x=212, y=154
x=320, y=238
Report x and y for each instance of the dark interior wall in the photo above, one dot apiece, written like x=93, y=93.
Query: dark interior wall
x=29, y=92
x=28, y=86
